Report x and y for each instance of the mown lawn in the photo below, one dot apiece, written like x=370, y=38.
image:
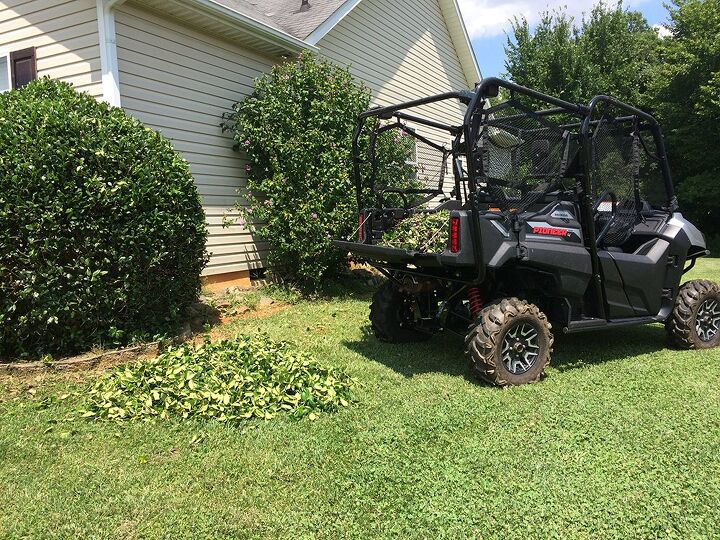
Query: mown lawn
x=622, y=440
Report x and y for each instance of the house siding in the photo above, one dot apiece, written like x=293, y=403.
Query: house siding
x=404, y=51
x=65, y=34
x=180, y=81
x=401, y=51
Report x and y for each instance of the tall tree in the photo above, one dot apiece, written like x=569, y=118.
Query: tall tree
x=612, y=50
x=687, y=99
x=618, y=51
x=546, y=57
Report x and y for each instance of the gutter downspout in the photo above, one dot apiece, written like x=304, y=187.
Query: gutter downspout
x=108, y=50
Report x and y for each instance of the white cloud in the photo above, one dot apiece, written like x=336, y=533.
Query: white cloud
x=663, y=31
x=488, y=18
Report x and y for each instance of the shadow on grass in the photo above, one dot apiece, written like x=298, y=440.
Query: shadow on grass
x=441, y=354
x=446, y=353
x=578, y=350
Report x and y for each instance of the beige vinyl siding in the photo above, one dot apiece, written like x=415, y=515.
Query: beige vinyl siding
x=65, y=34
x=461, y=40
x=401, y=51
x=180, y=81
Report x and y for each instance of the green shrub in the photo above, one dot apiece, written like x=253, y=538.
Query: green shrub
x=231, y=380
x=427, y=233
x=296, y=131
x=102, y=234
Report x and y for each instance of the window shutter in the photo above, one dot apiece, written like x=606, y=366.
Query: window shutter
x=23, y=67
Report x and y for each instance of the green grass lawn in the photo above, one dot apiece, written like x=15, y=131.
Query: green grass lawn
x=622, y=440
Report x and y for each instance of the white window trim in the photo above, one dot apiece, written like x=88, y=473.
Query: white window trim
x=415, y=154
x=6, y=55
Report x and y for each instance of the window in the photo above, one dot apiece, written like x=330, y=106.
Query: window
x=412, y=149
x=412, y=160
x=5, y=76
x=17, y=69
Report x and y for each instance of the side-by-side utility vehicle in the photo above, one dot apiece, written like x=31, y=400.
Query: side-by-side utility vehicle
x=556, y=213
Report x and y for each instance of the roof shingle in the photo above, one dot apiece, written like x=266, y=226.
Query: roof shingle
x=286, y=15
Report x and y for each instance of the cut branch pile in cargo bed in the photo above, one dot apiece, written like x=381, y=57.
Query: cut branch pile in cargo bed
x=425, y=233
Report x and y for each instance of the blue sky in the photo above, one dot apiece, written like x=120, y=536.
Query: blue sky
x=487, y=22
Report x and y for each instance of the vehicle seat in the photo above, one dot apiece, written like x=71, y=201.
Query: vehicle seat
x=643, y=235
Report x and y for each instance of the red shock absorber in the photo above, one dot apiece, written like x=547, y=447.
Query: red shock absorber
x=476, y=303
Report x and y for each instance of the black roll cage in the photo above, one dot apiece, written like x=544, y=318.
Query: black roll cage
x=394, y=111
x=476, y=102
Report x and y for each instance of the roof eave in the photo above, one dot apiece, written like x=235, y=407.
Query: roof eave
x=450, y=9
x=461, y=40
x=258, y=28
x=331, y=22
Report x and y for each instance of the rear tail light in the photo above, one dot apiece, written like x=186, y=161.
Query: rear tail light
x=454, y=234
x=361, y=227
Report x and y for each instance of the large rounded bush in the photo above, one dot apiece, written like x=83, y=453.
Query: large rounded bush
x=102, y=234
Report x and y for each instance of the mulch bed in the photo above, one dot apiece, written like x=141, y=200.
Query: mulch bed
x=106, y=359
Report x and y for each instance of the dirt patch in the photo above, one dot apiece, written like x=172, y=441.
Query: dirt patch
x=218, y=331
x=84, y=362
x=258, y=313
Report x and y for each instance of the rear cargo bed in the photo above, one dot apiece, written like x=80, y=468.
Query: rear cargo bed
x=389, y=255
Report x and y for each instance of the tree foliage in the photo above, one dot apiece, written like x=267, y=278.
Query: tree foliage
x=612, y=51
x=545, y=57
x=687, y=100
x=102, y=234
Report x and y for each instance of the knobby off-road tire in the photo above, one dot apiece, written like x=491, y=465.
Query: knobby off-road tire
x=695, y=321
x=391, y=316
x=510, y=343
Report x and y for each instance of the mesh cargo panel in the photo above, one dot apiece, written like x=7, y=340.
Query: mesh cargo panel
x=403, y=167
x=431, y=167
x=523, y=155
x=651, y=182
